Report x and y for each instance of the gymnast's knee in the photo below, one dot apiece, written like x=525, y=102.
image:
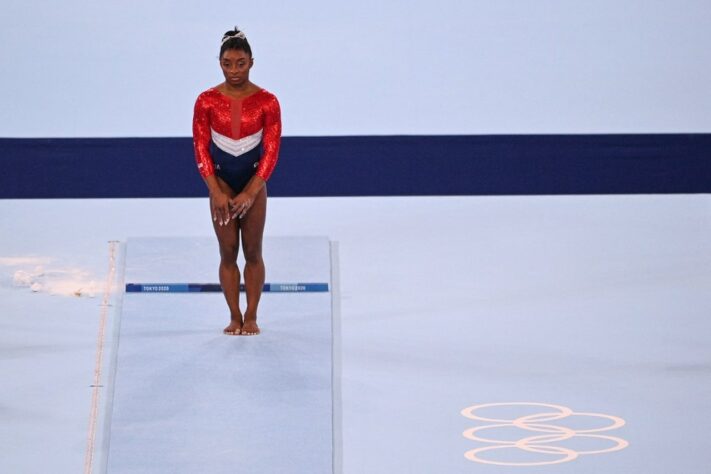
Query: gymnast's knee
x=253, y=255
x=228, y=255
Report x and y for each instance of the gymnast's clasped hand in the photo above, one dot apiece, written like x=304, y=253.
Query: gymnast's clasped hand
x=240, y=204
x=225, y=209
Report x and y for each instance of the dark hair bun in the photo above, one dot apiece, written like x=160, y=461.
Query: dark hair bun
x=235, y=39
x=233, y=34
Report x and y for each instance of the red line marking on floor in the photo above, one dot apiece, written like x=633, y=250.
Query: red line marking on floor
x=94, y=413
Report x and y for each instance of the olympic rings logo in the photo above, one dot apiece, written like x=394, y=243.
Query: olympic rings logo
x=539, y=444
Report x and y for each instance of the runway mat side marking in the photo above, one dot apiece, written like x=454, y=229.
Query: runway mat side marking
x=96, y=385
x=216, y=288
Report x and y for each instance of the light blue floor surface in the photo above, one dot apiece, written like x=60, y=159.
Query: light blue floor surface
x=473, y=330
x=188, y=399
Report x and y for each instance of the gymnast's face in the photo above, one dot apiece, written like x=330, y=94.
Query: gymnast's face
x=235, y=65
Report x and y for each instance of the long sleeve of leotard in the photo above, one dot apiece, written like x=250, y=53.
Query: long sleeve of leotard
x=271, y=138
x=201, y=137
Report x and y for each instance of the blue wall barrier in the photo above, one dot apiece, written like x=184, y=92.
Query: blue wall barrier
x=369, y=166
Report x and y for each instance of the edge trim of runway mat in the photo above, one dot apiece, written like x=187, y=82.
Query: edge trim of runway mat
x=216, y=288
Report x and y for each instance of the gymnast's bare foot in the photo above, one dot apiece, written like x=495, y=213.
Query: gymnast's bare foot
x=250, y=328
x=235, y=327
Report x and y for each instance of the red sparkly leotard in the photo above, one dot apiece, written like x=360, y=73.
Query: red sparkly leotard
x=237, y=126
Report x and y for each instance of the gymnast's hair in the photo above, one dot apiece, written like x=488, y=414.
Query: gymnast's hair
x=235, y=39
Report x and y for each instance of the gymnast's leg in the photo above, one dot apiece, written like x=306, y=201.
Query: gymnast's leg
x=252, y=230
x=228, y=239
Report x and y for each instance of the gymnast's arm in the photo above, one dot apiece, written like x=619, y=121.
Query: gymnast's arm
x=271, y=140
x=219, y=201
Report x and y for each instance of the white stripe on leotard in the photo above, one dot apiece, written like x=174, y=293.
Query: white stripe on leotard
x=236, y=147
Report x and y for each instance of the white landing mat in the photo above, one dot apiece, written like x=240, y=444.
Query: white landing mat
x=189, y=399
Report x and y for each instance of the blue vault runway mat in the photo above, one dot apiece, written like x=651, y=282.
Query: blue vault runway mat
x=189, y=399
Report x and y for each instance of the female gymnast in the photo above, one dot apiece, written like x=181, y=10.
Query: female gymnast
x=236, y=135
